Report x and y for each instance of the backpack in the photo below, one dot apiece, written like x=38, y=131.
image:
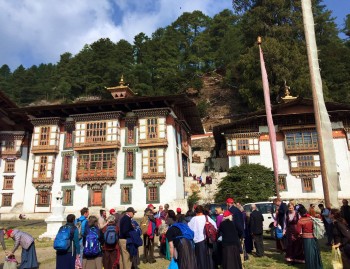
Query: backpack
x=63, y=238
x=111, y=236
x=144, y=225
x=79, y=224
x=318, y=228
x=185, y=230
x=92, y=245
x=279, y=232
x=210, y=231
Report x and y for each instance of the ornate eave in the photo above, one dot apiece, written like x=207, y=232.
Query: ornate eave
x=243, y=135
x=153, y=180
x=69, y=125
x=46, y=121
x=97, y=146
x=243, y=152
x=128, y=149
x=141, y=113
x=159, y=142
x=67, y=153
x=12, y=135
x=45, y=149
x=96, y=181
x=98, y=116
x=42, y=183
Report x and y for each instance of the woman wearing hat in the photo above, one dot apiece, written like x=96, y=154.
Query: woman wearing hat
x=230, y=242
x=26, y=241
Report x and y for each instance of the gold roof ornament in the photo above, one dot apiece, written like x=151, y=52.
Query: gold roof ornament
x=121, y=91
x=287, y=96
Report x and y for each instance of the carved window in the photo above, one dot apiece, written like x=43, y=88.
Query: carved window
x=6, y=199
x=242, y=144
x=96, y=198
x=126, y=194
x=68, y=140
x=8, y=183
x=131, y=134
x=43, y=167
x=307, y=184
x=43, y=198
x=96, y=132
x=244, y=159
x=152, y=194
x=9, y=166
x=185, y=165
x=304, y=161
x=67, y=199
x=96, y=160
x=130, y=163
x=153, y=161
x=152, y=128
x=66, y=168
x=44, y=136
x=282, y=182
x=306, y=140
x=10, y=145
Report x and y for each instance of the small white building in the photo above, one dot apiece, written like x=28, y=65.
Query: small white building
x=246, y=140
x=128, y=151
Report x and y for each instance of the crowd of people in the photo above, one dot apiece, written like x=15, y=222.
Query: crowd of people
x=199, y=239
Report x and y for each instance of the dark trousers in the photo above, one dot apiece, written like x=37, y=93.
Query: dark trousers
x=148, y=249
x=329, y=231
x=258, y=244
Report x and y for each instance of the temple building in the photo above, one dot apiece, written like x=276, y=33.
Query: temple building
x=126, y=151
x=246, y=140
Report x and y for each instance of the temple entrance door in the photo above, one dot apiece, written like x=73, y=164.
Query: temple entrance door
x=96, y=198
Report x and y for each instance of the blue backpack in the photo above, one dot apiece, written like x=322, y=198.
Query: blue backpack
x=185, y=230
x=111, y=236
x=63, y=238
x=92, y=245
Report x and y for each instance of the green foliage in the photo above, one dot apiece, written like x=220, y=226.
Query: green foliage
x=175, y=57
x=193, y=199
x=247, y=183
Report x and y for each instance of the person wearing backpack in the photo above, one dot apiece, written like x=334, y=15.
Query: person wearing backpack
x=203, y=250
x=311, y=248
x=111, y=253
x=81, y=224
x=92, y=241
x=180, y=238
x=67, y=244
x=148, y=238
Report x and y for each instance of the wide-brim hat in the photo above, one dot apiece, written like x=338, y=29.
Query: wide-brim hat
x=131, y=209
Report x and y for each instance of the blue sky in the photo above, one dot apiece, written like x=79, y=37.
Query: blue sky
x=39, y=31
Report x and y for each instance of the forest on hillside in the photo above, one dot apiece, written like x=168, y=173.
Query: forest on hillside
x=174, y=58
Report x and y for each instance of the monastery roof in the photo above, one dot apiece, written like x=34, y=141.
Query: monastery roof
x=184, y=108
x=299, y=106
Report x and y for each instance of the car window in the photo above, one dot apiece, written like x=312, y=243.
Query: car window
x=267, y=208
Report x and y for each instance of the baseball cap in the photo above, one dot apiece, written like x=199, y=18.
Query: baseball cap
x=112, y=211
x=178, y=210
x=229, y=200
x=227, y=213
x=131, y=209
x=150, y=206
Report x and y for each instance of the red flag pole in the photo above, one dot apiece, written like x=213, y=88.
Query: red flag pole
x=271, y=126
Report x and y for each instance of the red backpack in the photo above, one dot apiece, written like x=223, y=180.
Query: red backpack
x=210, y=231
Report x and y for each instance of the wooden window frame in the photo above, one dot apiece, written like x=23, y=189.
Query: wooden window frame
x=10, y=145
x=153, y=161
x=9, y=166
x=309, y=181
x=44, y=136
x=43, y=198
x=8, y=182
x=92, y=190
x=43, y=165
x=152, y=133
x=152, y=190
x=68, y=140
x=302, y=140
x=95, y=160
x=6, y=200
x=304, y=162
x=65, y=191
x=125, y=189
x=130, y=164
x=244, y=159
x=66, y=173
x=96, y=132
x=130, y=138
x=282, y=182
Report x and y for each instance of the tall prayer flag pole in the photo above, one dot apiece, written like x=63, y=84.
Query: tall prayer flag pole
x=323, y=124
x=271, y=126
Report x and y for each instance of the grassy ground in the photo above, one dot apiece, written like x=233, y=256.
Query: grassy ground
x=46, y=253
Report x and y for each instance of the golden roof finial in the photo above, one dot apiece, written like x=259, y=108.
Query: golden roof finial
x=121, y=82
x=287, y=97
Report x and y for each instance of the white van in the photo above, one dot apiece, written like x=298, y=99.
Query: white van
x=266, y=209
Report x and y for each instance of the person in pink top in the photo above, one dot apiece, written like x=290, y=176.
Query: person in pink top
x=311, y=248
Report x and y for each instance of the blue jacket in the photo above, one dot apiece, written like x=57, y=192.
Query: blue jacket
x=83, y=224
x=133, y=242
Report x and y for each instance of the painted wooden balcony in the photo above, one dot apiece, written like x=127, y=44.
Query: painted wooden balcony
x=45, y=149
